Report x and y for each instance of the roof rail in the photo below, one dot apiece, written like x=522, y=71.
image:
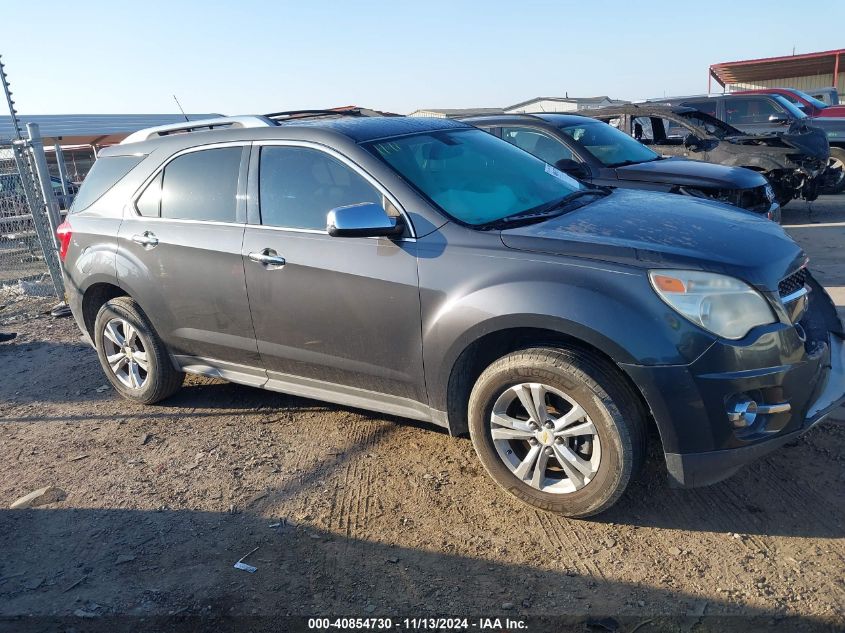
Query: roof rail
x=199, y=125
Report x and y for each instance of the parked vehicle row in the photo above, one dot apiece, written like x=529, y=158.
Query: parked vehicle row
x=429, y=269
x=773, y=115
x=794, y=164
x=809, y=105
x=601, y=154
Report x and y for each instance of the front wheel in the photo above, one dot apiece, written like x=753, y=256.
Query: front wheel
x=837, y=164
x=132, y=354
x=559, y=429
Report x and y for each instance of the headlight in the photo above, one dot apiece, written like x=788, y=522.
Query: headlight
x=720, y=304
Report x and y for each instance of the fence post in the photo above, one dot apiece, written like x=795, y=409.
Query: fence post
x=60, y=162
x=42, y=172
x=23, y=159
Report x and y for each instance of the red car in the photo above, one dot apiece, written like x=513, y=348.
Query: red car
x=811, y=106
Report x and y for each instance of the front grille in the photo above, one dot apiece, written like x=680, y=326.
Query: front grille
x=793, y=283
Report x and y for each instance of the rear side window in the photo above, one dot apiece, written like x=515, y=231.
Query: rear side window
x=201, y=185
x=298, y=186
x=104, y=175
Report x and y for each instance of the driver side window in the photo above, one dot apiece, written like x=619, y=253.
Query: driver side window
x=298, y=186
x=747, y=111
x=537, y=143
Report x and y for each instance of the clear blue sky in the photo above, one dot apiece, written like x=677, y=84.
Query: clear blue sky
x=251, y=56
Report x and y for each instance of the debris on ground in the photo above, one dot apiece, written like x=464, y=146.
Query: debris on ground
x=242, y=565
x=41, y=288
x=40, y=497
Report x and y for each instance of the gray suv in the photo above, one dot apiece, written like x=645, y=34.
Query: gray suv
x=427, y=269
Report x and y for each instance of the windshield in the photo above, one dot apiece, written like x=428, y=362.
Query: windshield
x=798, y=113
x=473, y=176
x=821, y=105
x=608, y=145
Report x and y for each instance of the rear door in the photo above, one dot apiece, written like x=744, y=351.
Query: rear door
x=332, y=315
x=182, y=258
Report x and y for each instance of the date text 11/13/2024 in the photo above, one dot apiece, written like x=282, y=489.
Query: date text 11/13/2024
x=417, y=624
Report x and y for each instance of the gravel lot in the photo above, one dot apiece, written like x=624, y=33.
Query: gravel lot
x=360, y=514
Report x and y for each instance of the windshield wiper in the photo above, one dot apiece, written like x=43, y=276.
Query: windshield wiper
x=627, y=162
x=543, y=212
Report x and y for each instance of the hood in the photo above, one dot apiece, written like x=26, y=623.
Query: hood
x=657, y=230
x=691, y=173
x=803, y=135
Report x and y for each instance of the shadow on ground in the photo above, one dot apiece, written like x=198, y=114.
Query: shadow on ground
x=138, y=564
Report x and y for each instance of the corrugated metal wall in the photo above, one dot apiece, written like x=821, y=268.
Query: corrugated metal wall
x=799, y=83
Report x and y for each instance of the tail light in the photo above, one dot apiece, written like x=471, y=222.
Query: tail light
x=64, y=232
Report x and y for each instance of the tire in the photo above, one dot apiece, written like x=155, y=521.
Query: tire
x=156, y=378
x=610, y=409
x=837, y=154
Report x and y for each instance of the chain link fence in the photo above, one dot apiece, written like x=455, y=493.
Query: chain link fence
x=28, y=254
x=21, y=256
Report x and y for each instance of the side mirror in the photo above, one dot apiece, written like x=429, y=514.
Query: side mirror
x=691, y=141
x=367, y=219
x=573, y=168
x=778, y=118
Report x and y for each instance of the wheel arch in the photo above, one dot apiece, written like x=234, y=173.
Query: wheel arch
x=478, y=353
x=94, y=297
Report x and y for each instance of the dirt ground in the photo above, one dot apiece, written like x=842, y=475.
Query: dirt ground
x=359, y=514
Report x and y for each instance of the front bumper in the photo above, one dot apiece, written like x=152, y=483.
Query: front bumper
x=689, y=402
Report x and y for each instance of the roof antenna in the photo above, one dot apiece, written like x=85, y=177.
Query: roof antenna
x=180, y=108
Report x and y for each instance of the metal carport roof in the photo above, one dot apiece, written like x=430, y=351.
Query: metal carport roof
x=91, y=129
x=807, y=64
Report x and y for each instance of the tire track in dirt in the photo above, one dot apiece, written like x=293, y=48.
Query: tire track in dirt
x=566, y=535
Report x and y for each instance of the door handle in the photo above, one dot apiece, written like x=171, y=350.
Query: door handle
x=269, y=258
x=147, y=239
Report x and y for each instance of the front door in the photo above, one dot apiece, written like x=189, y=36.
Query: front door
x=751, y=114
x=182, y=258
x=332, y=314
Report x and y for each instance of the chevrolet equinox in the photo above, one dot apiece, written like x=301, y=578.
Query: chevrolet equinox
x=427, y=269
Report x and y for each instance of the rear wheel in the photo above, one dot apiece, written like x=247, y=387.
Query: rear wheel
x=132, y=355
x=559, y=429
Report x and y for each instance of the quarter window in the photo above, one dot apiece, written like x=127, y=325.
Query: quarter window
x=105, y=173
x=298, y=186
x=149, y=203
x=201, y=185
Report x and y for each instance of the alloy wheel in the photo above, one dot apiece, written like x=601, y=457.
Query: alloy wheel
x=545, y=438
x=125, y=353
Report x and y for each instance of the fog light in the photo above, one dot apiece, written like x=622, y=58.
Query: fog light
x=742, y=412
